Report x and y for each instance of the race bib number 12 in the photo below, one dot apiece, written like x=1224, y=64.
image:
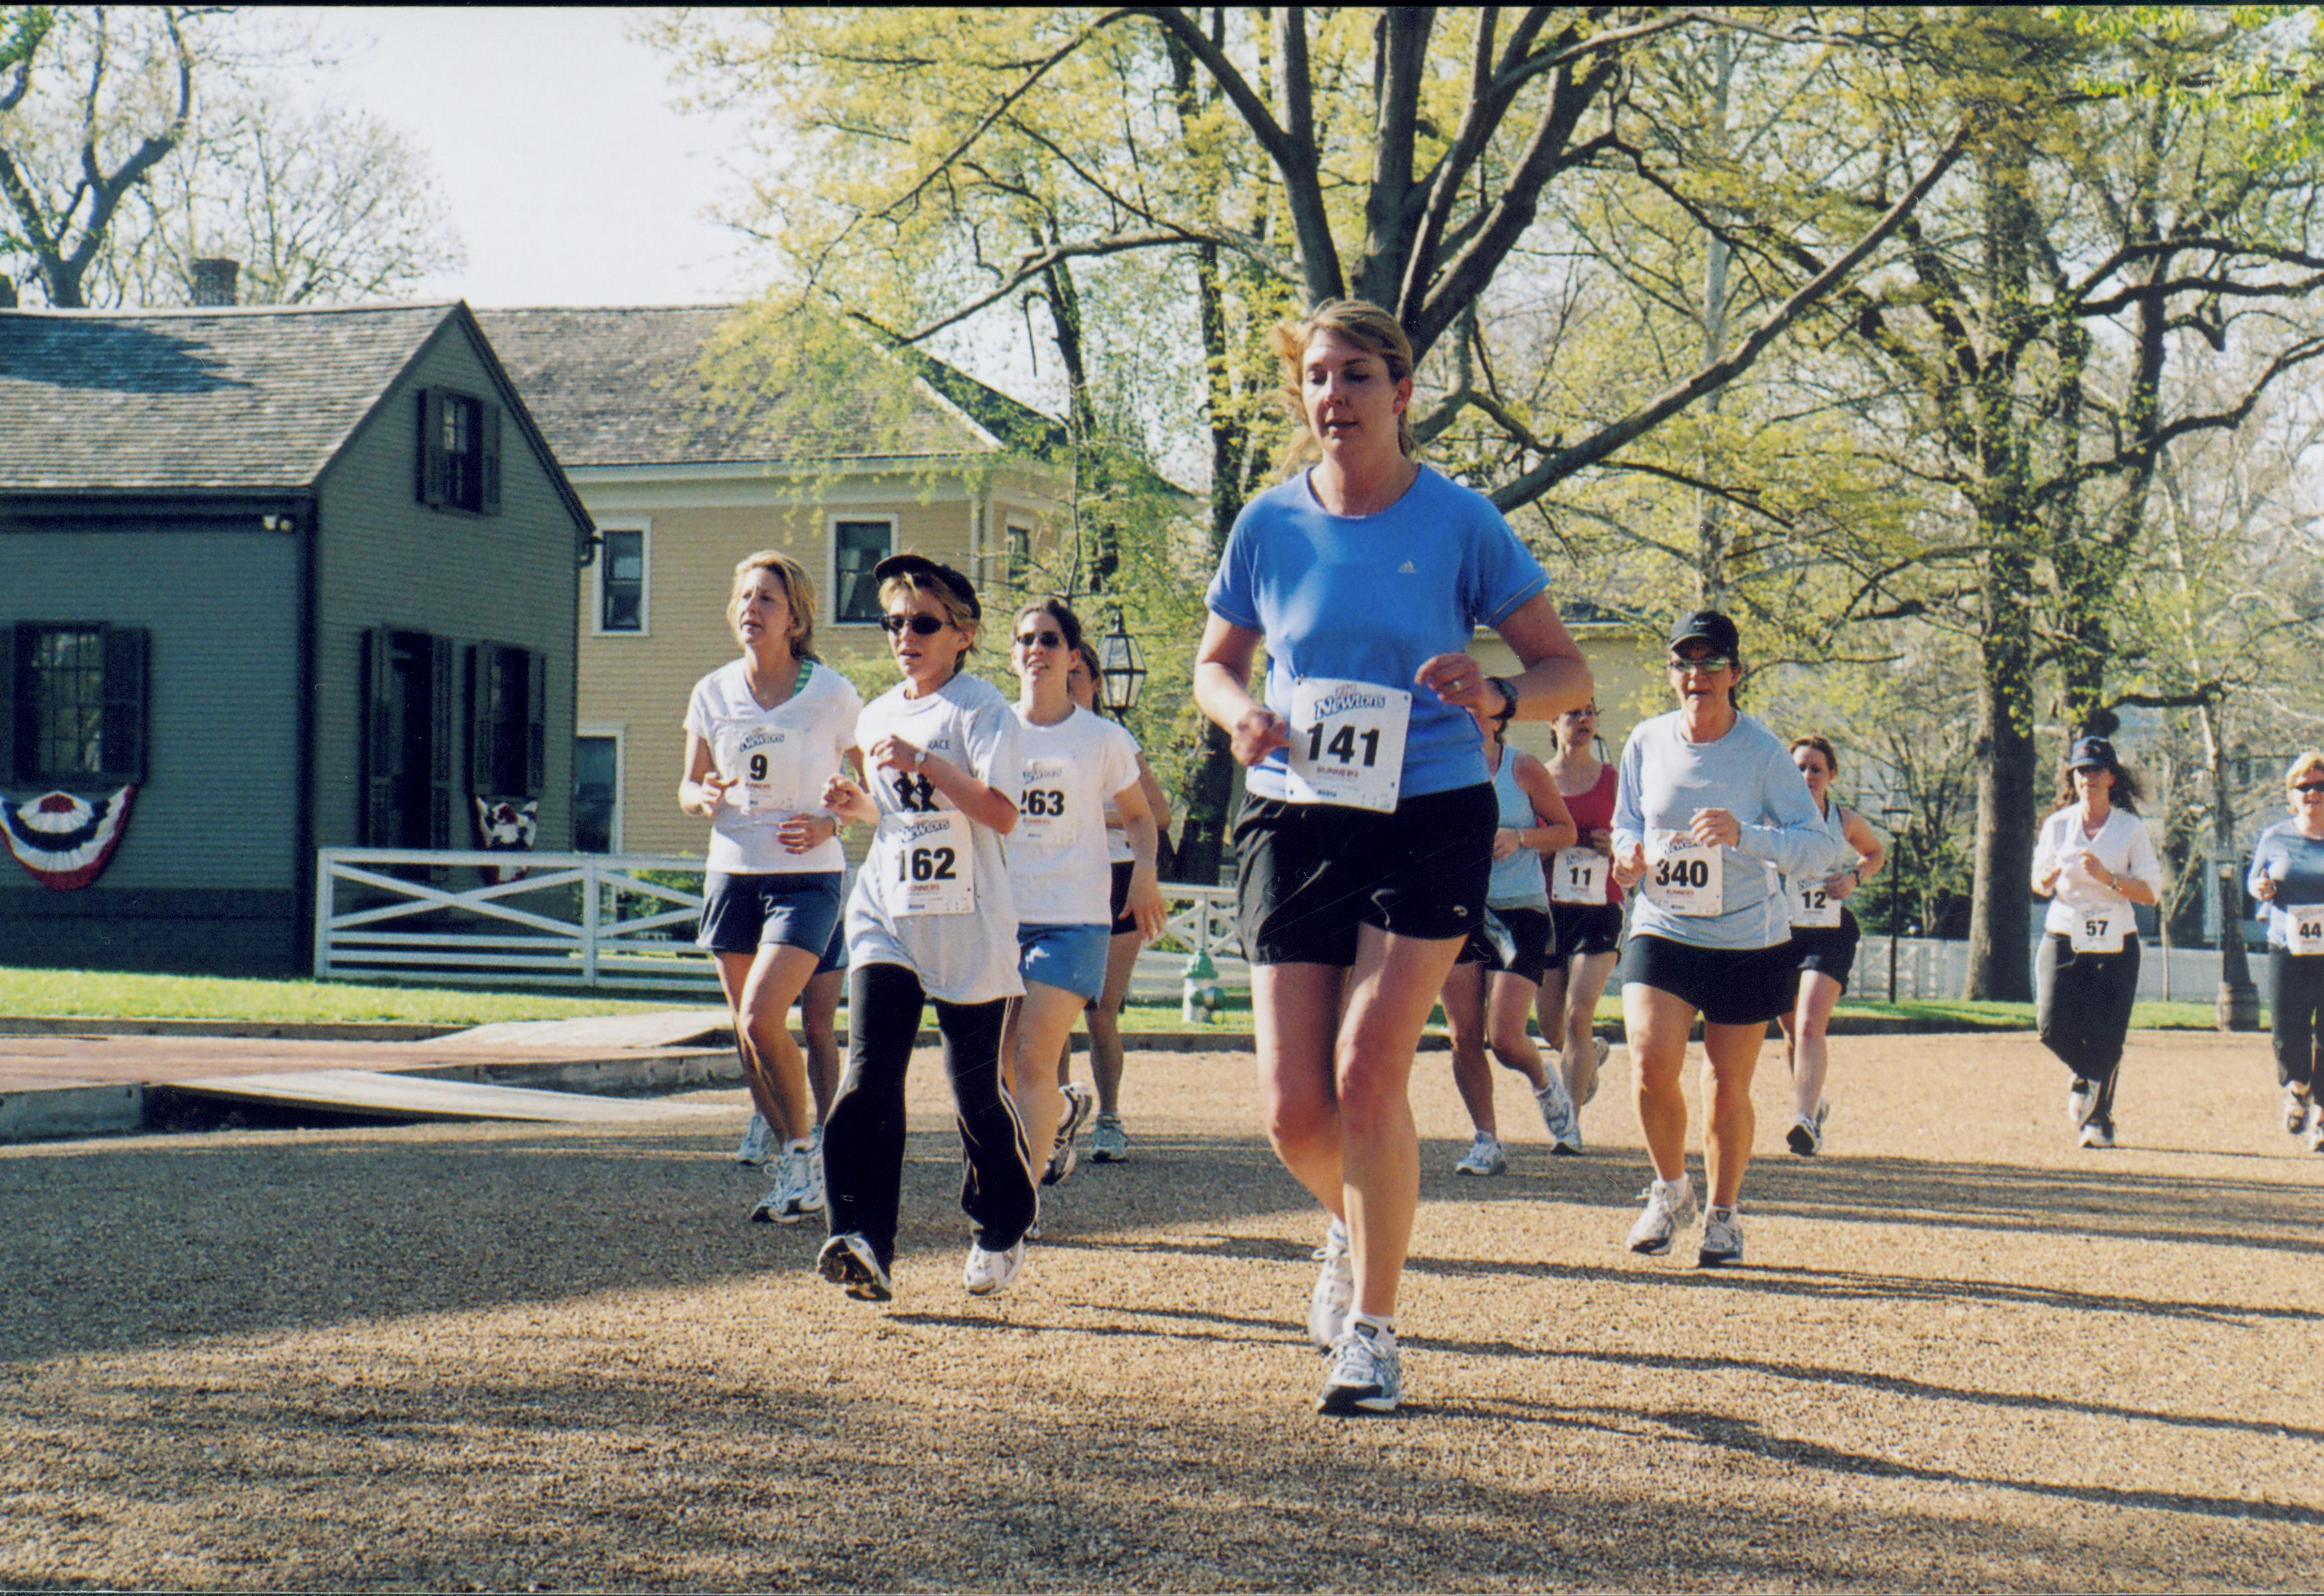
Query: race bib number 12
x=1812, y=907
x=1347, y=743
x=925, y=863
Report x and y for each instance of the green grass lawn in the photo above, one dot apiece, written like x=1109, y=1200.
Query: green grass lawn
x=110, y=994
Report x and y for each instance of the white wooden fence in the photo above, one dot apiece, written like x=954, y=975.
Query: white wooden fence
x=598, y=921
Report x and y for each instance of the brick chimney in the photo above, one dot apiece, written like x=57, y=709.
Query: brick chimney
x=214, y=278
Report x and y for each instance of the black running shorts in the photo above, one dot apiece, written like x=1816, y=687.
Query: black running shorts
x=1586, y=928
x=1310, y=874
x=1828, y=950
x=1727, y=986
x=1124, y=920
x=1528, y=948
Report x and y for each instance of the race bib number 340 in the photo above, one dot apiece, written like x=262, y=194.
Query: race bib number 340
x=1683, y=878
x=925, y=863
x=1347, y=743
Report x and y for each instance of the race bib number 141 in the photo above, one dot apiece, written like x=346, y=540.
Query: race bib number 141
x=1347, y=743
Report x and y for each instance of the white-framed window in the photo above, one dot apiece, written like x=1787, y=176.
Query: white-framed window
x=858, y=543
x=597, y=771
x=1020, y=552
x=624, y=566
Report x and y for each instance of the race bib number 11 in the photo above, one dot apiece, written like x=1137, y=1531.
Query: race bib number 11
x=1347, y=743
x=1578, y=875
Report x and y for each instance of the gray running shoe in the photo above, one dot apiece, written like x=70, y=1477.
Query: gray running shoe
x=848, y=1260
x=2296, y=1104
x=1108, y=1143
x=1669, y=1204
x=1805, y=1137
x=986, y=1273
x=1722, y=1238
x=2081, y=1101
x=757, y=1141
x=1063, y=1155
x=1366, y=1373
x=1559, y=1117
x=1335, y=1288
x=1602, y=1048
x=1484, y=1156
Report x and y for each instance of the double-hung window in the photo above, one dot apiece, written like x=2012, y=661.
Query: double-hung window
x=75, y=694
x=856, y=547
x=622, y=580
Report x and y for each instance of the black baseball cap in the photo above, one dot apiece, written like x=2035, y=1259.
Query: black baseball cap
x=936, y=571
x=2091, y=753
x=1708, y=626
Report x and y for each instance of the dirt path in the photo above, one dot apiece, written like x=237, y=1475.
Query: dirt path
x=1963, y=1355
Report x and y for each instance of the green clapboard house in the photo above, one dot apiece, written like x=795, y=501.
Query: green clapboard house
x=271, y=580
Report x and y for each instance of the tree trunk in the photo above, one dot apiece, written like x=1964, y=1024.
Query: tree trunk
x=2238, y=1001
x=2000, y=903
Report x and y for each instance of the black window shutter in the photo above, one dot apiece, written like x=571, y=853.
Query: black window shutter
x=440, y=661
x=536, y=724
x=380, y=755
x=480, y=719
x=122, y=737
x=11, y=723
x=490, y=500
x=432, y=468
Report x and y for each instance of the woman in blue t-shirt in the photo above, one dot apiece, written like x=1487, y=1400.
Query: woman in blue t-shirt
x=2287, y=876
x=1366, y=839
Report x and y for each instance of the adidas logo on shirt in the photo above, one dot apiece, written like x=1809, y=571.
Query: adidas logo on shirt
x=1407, y=569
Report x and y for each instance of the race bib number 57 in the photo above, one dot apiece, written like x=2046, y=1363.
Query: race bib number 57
x=925, y=864
x=1347, y=743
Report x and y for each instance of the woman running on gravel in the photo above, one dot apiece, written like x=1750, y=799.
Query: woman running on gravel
x=1825, y=934
x=932, y=918
x=1365, y=844
x=1585, y=911
x=764, y=734
x=1076, y=762
x=1490, y=996
x=2287, y=876
x=2093, y=860
x=1109, y=1142
x=1709, y=799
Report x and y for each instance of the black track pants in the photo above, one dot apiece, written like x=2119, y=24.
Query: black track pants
x=863, y=1136
x=2082, y=1004
x=2295, y=1003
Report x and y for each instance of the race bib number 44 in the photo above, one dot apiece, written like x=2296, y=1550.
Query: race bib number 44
x=1347, y=743
x=2307, y=929
x=1683, y=878
x=1578, y=875
x=925, y=864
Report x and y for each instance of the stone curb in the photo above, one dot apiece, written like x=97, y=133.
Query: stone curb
x=324, y=1030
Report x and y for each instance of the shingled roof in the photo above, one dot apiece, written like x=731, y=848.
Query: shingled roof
x=176, y=400
x=623, y=385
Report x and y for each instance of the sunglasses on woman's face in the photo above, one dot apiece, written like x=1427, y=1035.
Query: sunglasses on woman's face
x=2309, y=788
x=918, y=625
x=1709, y=664
x=1040, y=640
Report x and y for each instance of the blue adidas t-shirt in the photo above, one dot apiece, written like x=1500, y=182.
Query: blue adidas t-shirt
x=1368, y=598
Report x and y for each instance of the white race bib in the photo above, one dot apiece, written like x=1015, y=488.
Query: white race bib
x=1347, y=743
x=2098, y=930
x=1812, y=908
x=1578, y=875
x=925, y=863
x=764, y=761
x=1042, y=814
x=1683, y=878
x=2305, y=935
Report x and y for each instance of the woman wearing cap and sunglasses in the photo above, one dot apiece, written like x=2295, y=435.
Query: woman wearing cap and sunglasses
x=2093, y=860
x=1076, y=762
x=1365, y=844
x=2287, y=876
x=1709, y=799
x=932, y=918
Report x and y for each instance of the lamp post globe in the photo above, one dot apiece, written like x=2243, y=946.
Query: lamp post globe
x=1122, y=663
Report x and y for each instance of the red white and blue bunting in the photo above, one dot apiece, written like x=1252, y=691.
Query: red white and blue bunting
x=64, y=840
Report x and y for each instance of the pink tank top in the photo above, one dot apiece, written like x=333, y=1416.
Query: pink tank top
x=1594, y=811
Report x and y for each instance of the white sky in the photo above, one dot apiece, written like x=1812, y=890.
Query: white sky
x=572, y=179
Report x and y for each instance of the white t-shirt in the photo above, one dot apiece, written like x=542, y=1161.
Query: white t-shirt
x=2122, y=845
x=782, y=755
x=963, y=957
x=1058, y=855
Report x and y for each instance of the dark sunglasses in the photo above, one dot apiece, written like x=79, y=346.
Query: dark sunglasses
x=1708, y=663
x=919, y=625
x=1040, y=640
x=2310, y=787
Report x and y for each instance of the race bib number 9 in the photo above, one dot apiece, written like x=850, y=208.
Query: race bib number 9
x=1578, y=875
x=2098, y=930
x=2307, y=930
x=1683, y=878
x=1042, y=816
x=1812, y=908
x=764, y=762
x=1347, y=743
x=925, y=864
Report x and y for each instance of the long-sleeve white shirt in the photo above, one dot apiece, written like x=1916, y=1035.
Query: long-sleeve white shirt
x=2121, y=845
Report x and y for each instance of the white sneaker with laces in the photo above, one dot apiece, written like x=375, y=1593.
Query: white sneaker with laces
x=1367, y=1372
x=1669, y=1204
x=1484, y=1156
x=1805, y=1137
x=2098, y=1134
x=1559, y=1117
x=1108, y=1143
x=848, y=1260
x=1603, y=1050
x=988, y=1272
x=1336, y=1287
x=757, y=1141
x=1063, y=1154
x=2296, y=1103
x=1722, y=1238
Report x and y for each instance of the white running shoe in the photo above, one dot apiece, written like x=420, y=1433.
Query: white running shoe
x=1367, y=1372
x=1109, y=1142
x=1603, y=1048
x=1336, y=1287
x=1669, y=1204
x=1484, y=1156
x=757, y=1141
x=1559, y=1117
x=2081, y=1101
x=798, y=1188
x=773, y=1205
x=2098, y=1134
x=848, y=1260
x=1805, y=1137
x=1063, y=1155
x=988, y=1272
x=1722, y=1238
x=2296, y=1104
x=813, y=1198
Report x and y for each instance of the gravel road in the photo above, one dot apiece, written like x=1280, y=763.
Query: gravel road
x=1962, y=1355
